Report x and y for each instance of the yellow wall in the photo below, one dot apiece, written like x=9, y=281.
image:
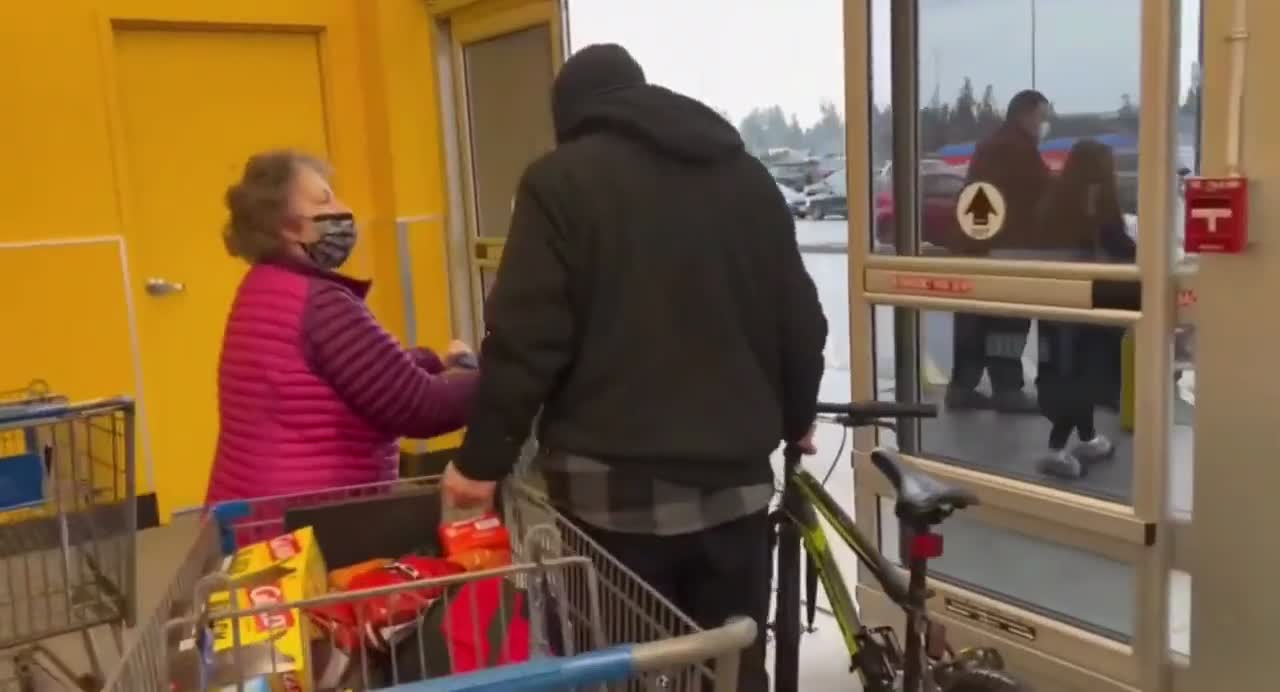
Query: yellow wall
x=70, y=173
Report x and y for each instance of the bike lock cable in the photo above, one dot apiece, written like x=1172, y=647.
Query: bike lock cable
x=844, y=439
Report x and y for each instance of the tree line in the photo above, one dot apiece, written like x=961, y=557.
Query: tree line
x=967, y=117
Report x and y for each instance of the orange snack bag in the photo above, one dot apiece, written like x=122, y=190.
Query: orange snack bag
x=483, y=532
x=482, y=559
x=340, y=579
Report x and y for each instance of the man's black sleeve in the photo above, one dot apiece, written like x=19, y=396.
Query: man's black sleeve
x=528, y=342
x=804, y=337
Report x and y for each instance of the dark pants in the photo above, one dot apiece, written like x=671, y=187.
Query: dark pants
x=1065, y=423
x=709, y=575
x=1071, y=377
x=994, y=344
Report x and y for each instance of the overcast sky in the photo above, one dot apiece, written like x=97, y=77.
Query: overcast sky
x=739, y=54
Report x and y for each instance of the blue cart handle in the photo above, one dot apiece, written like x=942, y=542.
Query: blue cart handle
x=609, y=665
x=226, y=514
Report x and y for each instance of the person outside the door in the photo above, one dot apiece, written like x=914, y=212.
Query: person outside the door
x=1080, y=216
x=653, y=306
x=312, y=392
x=1009, y=159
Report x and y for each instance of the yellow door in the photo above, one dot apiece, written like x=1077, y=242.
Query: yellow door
x=193, y=106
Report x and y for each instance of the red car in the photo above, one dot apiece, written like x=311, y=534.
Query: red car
x=939, y=191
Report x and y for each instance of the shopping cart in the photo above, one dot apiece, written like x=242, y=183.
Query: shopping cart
x=67, y=526
x=592, y=622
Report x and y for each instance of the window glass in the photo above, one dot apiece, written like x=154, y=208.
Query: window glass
x=1047, y=123
x=1182, y=432
x=1042, y=401
x=1188, y=108
x=1068, y=583
x=1180, y=612
x=487, y=277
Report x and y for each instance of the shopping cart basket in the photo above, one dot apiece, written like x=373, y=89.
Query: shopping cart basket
x=67, y=530
x=591, y=620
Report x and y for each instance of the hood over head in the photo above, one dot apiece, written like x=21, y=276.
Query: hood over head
x=602, y=88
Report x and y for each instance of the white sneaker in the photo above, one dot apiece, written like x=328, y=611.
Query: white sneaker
x=1061, y=463
x=1097, y=449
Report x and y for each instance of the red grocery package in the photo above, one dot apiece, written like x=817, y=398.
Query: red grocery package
x=403, y=606
x=373, y=616
x=482, y=532
x=338, y=621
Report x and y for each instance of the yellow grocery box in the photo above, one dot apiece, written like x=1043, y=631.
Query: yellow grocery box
x=274, y=647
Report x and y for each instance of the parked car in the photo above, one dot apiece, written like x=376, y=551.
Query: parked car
x=884, y=175
x=828, y=197
x=939, y=190
x=796, y=201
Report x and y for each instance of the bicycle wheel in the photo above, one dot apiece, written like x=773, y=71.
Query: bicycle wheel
x=984, y=680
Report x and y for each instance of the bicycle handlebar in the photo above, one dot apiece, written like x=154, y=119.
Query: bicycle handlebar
x=870, y=410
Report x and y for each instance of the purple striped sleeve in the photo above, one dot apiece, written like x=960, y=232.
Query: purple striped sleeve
x=427, y=360
x=381, y=381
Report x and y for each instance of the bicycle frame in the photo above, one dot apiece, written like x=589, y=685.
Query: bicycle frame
x=804, y=500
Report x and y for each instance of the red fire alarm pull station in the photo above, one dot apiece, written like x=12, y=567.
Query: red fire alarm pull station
x=1217, y=212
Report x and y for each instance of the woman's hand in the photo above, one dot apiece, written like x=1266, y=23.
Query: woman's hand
x=461, y=356
x=464, y=493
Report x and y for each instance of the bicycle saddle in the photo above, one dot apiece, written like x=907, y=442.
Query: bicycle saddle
x=921, y=497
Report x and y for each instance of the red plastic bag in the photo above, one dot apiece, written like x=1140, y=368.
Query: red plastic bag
x=374, y=617
x=481, y=624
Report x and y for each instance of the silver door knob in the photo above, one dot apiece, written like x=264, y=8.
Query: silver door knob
x=163, y=287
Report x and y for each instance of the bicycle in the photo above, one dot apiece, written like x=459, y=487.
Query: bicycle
x=928, y=663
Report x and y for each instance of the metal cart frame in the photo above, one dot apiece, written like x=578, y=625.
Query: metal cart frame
x=611, y=627
x=68, y=525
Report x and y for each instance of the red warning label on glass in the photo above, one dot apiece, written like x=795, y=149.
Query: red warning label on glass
x=924, y=283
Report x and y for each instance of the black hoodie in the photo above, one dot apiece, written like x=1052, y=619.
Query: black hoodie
x=651, y=299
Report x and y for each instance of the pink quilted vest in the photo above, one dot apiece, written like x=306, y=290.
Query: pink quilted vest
x=283, y=429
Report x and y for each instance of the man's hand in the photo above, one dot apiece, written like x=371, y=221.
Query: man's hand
x=464, y=493
x=806, y=443
x=458, y=348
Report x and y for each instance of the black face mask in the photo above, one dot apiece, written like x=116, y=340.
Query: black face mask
x=337, y=240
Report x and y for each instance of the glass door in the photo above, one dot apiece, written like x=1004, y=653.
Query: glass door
x=504, y=58
x=1015, y=248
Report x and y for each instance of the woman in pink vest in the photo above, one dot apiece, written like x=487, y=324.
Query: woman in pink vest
x=313, y=393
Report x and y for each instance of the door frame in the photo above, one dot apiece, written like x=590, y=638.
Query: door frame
x=457, y=25
x=1137, y=534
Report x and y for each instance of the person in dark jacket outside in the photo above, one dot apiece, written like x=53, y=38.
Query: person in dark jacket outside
x=1081, y=216
x=312, y=393
x=1010, y=160
x=652, y=303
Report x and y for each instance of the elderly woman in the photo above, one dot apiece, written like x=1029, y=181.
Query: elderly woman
x=313, y=393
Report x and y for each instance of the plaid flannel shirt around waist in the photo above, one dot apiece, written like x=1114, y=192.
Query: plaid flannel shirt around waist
x=627, y=501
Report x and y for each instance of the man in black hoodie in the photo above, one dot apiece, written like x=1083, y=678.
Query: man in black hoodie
x=653, y=306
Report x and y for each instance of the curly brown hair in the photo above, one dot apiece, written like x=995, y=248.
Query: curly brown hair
x=259, y=202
